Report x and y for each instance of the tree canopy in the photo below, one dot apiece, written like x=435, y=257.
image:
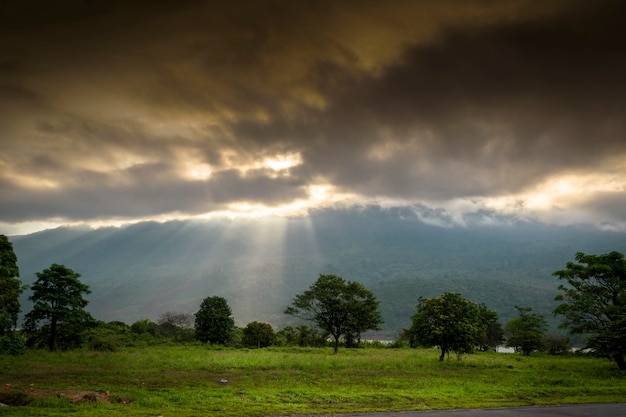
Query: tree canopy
x=258, y=335
x=10, y=287
x=214, y=322
x=449, y=322
x=526, y=331
x=594, y=302
x=58, y=305
x=493, y=334
x=337, y=306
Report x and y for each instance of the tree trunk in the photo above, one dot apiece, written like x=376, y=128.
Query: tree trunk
x=443, y=354
x=336, y=345
x=53, y=334
x=619, y=359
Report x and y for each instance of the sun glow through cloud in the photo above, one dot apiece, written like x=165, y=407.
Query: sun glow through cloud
x=319, y=195
x=563, y=190
x=548, y=200
x=200, y=171
x=281, y=162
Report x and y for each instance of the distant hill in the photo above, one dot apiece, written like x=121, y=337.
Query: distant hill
x=259, y=265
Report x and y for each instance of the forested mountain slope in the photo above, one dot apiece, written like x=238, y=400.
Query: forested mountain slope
x=143, y=270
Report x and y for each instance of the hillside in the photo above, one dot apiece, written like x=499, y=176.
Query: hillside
x=143, y=270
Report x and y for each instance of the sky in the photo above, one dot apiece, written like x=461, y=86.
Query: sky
x=474, y=111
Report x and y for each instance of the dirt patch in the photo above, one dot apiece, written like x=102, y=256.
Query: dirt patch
x=15, y=396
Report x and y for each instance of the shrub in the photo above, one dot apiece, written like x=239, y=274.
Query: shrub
x=557, y=345
x=14, y=398
x=12, y=344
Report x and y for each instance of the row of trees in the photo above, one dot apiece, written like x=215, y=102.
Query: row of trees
x=455, y=324
x=593, y=302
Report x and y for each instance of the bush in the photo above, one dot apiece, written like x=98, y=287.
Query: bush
x=104, y=340
x=145, y=326
x=15, y=398
x=12, y=344
x=234, y=338
x=557, y=345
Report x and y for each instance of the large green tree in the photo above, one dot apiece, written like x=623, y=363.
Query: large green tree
x=594, y=302
x=526, y=331
x=449, y=322
x=338, y=307
x=214, y=322
x=58, y=305
x=10, y=287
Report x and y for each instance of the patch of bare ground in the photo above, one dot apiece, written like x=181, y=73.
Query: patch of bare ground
x=12, y=396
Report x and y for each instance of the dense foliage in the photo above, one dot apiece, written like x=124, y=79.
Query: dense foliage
x=492, y=334
x=526, y=332
x=58, y=312
x=449, y=322
x=178, y=326
x=258, y=335
x=303, y=336
x=339, y=307
x=214, y=322
x=10, y=288
x=594, y=302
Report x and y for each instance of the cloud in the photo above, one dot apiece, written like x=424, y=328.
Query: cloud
x=132, y=110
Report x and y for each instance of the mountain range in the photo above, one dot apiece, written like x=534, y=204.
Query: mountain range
x=258, y=265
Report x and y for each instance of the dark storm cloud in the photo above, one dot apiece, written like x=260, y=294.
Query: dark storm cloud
x=483, y=111
x=139, y=192
x=109, y=107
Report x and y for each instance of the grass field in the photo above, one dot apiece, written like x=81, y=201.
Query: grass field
x=193, y=380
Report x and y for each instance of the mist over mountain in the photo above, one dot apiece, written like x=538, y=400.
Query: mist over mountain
x=259, y=265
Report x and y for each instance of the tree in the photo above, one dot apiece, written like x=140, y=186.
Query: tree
x=58, y=305
x=302, y=335
x=594, y=302
x=214, y=321
x=363, y=317
x=258, y=335
x=449, y=322
x=178, y=326
x=526, y=331
x=493, y=333
x=10, y=288
x=556, y=345
x=338, y=307
x=145, y=326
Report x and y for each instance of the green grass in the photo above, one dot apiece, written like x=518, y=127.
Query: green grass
x=185, y=381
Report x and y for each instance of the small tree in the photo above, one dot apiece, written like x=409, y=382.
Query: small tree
x=177, y=325
x=286, y=336
x=526, y=331
x=365, y=314
x=556, y=345
x=449, y=322
x=493, y=334
x=214, y=322
x=145, y=326
x=258, y=335
x=594, y=302
x=10, y=288
x=337, y=307
x=58, y=305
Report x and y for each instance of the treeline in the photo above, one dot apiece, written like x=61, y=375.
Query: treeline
x=593, y=303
